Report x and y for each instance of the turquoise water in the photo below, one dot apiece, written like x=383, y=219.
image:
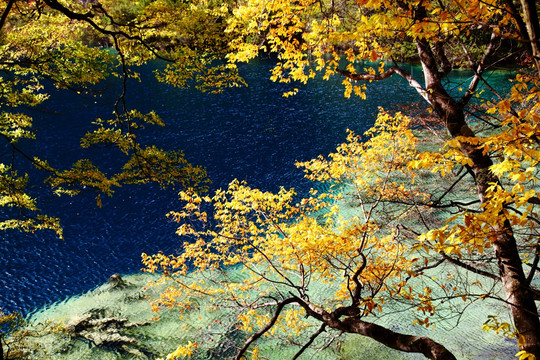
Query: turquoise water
x=214, y=330
x=252, y=133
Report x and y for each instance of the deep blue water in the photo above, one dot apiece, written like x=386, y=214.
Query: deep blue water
x=252, y=133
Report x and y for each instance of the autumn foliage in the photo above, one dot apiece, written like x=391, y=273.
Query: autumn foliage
x=76, y=45
x=406, y=212
x=402, y=211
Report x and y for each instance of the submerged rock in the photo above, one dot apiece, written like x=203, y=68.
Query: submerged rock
x=89, y=319
x=106, y=332
x=127, y=290
x=116, y=282
x=78, y=323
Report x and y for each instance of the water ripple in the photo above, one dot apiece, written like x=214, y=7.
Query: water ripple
x=252, y=133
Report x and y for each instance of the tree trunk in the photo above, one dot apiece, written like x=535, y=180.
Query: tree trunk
x=530, y=17
x=518, y=293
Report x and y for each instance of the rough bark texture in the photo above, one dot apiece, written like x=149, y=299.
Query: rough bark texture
x=519, y=295
x=352, y=323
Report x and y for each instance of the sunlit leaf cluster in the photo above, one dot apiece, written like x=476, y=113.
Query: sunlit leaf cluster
x=74, y=46
x=312, y=36
x=368, y=255
x=415, y=218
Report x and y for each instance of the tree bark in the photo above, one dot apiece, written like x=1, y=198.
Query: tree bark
x=4, y=17
x=355, y=325
x=519, y=295
x=408, y=343
x=530, y=17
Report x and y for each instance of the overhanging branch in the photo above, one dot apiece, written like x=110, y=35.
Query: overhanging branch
x=88, y=18
x=385, y=75
x=470, y=267
x=311, y=340
x=6, y=13
x=402, y=342
x=267, y=327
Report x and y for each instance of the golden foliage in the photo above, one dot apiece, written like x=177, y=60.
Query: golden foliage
x=289, y=245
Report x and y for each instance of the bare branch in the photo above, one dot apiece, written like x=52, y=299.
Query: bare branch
x=6, y=13
x=311, y=340
x=355, y=325
x=267, y=327
x=478, y=70
x=391, y=71
x=450, y=188
x=470, y=268
x=408, y=343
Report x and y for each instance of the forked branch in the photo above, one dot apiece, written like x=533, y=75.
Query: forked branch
x=402, y=342
x=354, y=325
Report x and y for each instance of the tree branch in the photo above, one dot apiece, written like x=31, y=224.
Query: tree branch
x=530, y=14
x=534, y=265
x=6, y=13
x=438, y=201
x=389, y=72
x=267, y=327
x=87, y=17
x=446, y=66
x=514, y=11
x=470, y=268
x=311, y=340
x=479, y=70
x=402, y=342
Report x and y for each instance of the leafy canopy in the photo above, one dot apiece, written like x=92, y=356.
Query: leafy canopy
x=75, y=45
x=431, y=222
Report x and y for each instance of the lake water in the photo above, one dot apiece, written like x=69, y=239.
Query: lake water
x=252, y=134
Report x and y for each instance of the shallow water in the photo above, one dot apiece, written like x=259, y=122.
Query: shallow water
x=252, y=134
x=213, y=330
